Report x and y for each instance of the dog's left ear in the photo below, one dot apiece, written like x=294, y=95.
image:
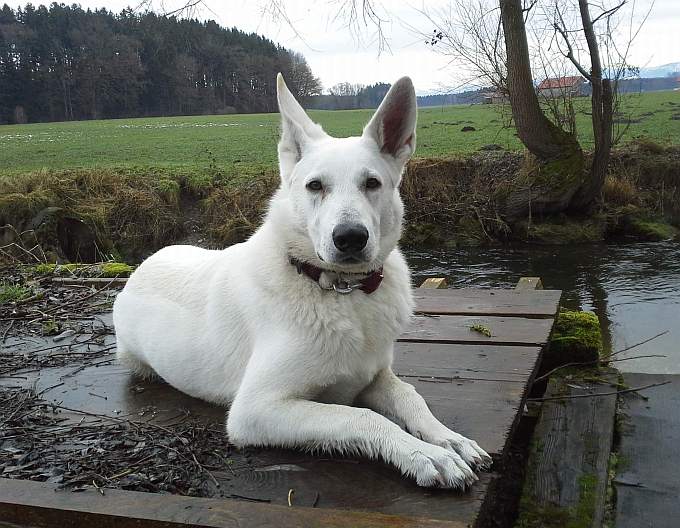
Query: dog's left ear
x=393, y=126
x=298, y=131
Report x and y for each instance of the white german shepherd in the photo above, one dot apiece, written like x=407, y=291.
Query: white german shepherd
x=297, y=324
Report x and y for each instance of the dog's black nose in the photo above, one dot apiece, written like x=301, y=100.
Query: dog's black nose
x=350, y=238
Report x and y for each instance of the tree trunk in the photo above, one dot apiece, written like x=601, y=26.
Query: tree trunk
x=602, y=102
x=551, y=180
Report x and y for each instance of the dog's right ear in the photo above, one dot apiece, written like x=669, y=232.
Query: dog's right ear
x=298, y=131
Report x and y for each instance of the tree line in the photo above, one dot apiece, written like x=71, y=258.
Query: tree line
x=348, y=96
x=61, y=63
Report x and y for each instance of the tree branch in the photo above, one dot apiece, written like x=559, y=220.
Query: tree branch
x=609, y=12
x=570, y=54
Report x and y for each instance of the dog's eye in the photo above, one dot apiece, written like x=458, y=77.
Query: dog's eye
x=373, y=183
x=314, y=185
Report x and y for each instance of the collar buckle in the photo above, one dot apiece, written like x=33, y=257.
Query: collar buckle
x=343, y=287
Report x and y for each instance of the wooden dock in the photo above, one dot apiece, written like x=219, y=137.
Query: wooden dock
x=474, y=383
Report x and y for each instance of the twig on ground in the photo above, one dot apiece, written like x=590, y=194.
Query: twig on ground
x=594, y=395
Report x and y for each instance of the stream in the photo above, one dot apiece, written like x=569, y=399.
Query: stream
x=633, y=288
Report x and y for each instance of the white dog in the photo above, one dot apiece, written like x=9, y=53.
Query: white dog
x=297, y=324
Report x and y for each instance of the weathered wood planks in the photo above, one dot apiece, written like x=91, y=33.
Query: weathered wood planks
x=475, y=384
x=38, y=504
x=647, y=481
x=476, y=301
x=458, y=329
x=567, y=468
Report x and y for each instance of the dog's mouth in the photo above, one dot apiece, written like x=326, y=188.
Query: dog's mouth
x=347, y=263
x=349, y=259
x=344, y=259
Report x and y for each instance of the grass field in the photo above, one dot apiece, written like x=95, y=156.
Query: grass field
x=246, y=143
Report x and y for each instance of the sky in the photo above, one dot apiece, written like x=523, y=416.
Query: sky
x=337, y=53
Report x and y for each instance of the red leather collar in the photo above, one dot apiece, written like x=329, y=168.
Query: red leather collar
x=368, y=284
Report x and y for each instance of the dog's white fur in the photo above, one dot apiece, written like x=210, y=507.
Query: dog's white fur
x=241, y=326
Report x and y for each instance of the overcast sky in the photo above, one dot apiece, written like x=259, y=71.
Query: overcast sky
x=335, y=53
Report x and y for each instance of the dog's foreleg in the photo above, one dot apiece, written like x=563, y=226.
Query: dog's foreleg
x=266, y=420
x=392, y=397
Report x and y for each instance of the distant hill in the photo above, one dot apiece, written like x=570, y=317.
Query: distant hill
x=660, y=71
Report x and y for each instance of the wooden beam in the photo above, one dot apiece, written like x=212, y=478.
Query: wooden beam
x=479, y=301
x=435, y=283
x=89, y=281
x=39, y=504
x=569, y=458
x=460, y=329
x=529, y=283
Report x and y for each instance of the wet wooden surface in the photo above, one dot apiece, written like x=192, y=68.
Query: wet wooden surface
x=476, y=301
x=572, y=443
x=39, y=504
x=457, y=329
x=647, y=481
x=476, y=385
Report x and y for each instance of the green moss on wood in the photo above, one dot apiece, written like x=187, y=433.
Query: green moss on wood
x=482, y=329
x=44, y=269
x=576, y=337
x=582, y=515
x=58, y=269
x=116, y=269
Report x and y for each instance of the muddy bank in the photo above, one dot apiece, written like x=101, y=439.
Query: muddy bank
x=102, y=214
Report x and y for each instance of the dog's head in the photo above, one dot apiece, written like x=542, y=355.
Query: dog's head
x=343, y=193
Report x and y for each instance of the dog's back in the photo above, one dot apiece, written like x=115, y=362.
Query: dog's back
x=165, y=323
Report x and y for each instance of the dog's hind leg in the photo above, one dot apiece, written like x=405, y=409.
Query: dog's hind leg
x=392, y=397
x=137, y=366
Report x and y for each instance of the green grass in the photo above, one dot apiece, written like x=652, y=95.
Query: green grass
x=246, y=144
x=13, y=292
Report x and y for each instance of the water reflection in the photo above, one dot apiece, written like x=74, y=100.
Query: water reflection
x=633, y=288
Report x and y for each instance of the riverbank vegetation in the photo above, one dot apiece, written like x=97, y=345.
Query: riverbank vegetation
x=87, y=191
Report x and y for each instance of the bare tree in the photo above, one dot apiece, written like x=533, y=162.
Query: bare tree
x=345, y=89
x=584, y=43
x=301, y=81
x=471, y=35
x=490, y=37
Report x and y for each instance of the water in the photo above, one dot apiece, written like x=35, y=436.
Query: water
x=633, y=288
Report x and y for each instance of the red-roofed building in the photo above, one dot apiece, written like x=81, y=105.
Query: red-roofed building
x=562, y=86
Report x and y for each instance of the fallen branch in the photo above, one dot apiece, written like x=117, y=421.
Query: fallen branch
x=605, y=360
x=611, y=393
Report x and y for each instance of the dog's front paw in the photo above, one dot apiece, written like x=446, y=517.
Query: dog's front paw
x=434, y=466
x=473, y=455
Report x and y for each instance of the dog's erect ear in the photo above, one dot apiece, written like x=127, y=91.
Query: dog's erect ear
x=393, y=126
x=298, y=131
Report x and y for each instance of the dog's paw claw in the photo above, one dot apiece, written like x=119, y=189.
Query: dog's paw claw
x=434, y=466
x=468, y=450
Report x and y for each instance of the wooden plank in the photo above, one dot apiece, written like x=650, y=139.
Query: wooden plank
x=96, y=282
x=647, y=481
x=457, y=329
x=568, y=464
x=449, y=362
x=477, y=301
x=42, y=505
x=435, y=283
x=529, y=283
x=476, y=390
